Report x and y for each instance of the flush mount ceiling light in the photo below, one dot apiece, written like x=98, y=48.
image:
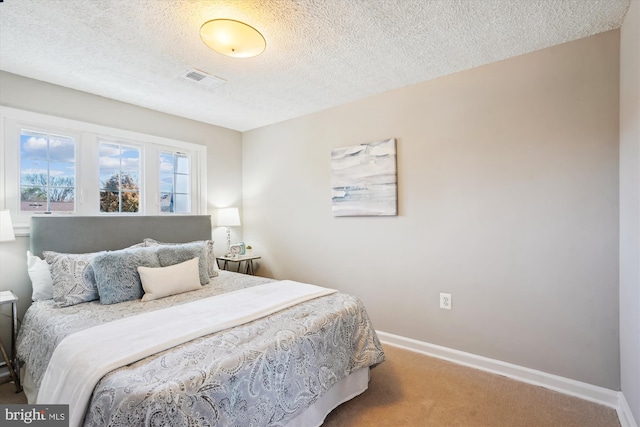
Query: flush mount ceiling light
x=232, y=38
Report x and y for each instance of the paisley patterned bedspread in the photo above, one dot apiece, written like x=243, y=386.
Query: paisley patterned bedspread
x=262, y=373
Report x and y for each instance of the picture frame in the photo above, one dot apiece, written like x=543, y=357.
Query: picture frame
x=364, y=179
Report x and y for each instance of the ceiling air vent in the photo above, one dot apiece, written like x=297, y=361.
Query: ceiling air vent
x=202, y=78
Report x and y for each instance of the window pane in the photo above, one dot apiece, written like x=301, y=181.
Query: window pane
x=47, y=172
x=109, y=201
x=130, y=201
x=109, y=179
x=111, y=182
x=119, y=177
x=62, y=149
x=166, y=183
x=166, y=162
x=61, y=199
x=115, y=201
x=62, y=174
x=130, y=158
x=128, y=182
x=166, y=202
x=33, y=171
x=130, y=179
x=109, y=150
x=33, y=145
x=175, y=183
x=182, y=203
x=109, y=157
x=182, y=164
x=33, y=199
x=182, y=184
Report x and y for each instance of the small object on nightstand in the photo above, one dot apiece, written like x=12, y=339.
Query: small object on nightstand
x=248, y=260
x=237, y=250
x=8, y=297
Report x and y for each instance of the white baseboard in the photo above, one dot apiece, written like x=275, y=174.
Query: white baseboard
x=624, y=413
x=592, y=393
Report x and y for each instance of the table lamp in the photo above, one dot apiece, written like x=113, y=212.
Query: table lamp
x=228, y=217
x=6, y=227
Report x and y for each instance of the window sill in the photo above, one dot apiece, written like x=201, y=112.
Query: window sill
x=22, y=230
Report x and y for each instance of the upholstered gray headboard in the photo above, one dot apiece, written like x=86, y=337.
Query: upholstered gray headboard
x=83, y=234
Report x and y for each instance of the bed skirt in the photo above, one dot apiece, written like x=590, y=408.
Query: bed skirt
x=342, y=391
x=345, y=389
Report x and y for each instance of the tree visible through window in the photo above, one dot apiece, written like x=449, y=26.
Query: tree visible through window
x=47, y=172
x=57, y=165
x=119, y=178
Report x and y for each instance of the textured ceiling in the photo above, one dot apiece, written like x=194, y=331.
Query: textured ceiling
x=320, y=53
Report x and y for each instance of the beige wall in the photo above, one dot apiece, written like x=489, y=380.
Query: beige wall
x=630, y=208
x=224, y=146
x=508, y=200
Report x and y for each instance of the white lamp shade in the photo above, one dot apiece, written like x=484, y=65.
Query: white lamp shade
x=6, y=227
x=228, y=217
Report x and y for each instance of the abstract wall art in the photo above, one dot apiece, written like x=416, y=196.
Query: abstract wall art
x=364, y=179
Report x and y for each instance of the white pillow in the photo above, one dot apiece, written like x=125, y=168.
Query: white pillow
x=40, y=276
x=160, y=282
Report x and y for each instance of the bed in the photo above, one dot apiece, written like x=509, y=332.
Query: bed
x=289, y=364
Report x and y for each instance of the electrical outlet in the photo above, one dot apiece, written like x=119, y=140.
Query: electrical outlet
x=445, y=301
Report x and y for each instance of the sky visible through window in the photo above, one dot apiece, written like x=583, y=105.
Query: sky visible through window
x=174, y=183
x=57, y=165
x=47, y=172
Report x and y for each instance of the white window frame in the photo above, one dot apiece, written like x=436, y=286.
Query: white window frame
x=14, y=160
x=174, y=152
x=87, y=136
x=93, y=198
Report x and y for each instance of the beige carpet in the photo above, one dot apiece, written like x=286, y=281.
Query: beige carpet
x=413, y=390
x=8, y=394
x=410, y=389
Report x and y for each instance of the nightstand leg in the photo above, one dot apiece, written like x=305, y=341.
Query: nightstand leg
x=14, y=353
x=250, y=267
x=9, y=363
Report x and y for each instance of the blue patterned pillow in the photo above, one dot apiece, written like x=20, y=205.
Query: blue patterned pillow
x=211, y=258
x=117, y=275
x=175, y=254
x=73, y=277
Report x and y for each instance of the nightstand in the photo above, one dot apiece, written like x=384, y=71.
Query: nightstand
x=8, y=297
x=248, y=260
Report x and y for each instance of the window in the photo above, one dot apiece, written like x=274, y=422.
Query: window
x=119, y=178
x=47, y=172
x=174, y=182
x=62, y=166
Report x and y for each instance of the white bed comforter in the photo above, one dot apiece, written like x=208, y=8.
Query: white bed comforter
x=83, y=358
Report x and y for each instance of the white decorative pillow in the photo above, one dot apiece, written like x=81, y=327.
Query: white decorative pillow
x=175, y=254
x=211, y=257
x=73, y=278
x=175, y=279
x=40, y=276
